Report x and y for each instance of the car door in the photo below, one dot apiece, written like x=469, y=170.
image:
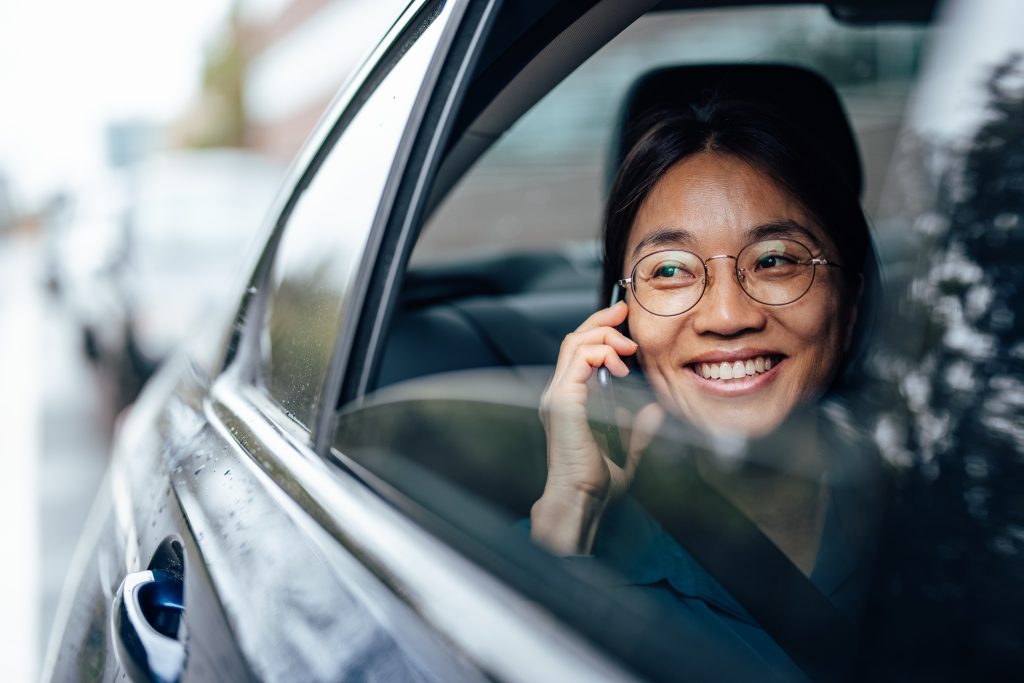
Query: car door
x=207, y=560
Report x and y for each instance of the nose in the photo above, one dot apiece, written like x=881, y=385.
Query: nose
x=725, y=309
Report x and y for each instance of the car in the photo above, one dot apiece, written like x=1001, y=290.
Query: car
x=83, y=257
x=331, y=481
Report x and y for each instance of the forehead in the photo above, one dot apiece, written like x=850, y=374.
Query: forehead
x=714, y=203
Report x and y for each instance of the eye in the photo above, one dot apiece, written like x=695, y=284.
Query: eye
x=671, y=270
x=668, y=270
x=774, y=260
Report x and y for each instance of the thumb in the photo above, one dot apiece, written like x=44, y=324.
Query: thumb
x=645, y=425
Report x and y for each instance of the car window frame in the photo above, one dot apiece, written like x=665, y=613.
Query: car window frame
x=242, y=362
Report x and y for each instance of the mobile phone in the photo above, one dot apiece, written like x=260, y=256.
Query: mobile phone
x=608, y=420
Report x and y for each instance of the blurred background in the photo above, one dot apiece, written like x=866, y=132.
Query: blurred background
x=119, y=119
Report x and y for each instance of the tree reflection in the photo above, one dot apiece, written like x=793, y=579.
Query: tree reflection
x=950, y=591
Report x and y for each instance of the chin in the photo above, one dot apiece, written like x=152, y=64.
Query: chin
x=740, y=425
x=735, y=417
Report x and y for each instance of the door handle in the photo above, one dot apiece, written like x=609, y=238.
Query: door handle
x=145, y=622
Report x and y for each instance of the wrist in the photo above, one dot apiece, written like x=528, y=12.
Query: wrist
x=566, y=520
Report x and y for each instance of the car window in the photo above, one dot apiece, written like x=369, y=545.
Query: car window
x=507, y=266
x=326, y=232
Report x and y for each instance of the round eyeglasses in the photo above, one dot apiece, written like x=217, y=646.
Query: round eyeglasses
x=772, y=272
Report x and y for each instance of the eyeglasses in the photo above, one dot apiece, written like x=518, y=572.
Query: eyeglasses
x=772, y=272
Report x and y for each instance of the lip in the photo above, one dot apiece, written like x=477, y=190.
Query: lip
x=735, y=387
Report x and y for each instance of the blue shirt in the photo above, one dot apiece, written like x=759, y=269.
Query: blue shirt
x=648, y=560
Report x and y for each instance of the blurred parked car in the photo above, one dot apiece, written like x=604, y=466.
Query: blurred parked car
x=329, y=483
x=190, y=218
x=139, y=259
x=84, y=253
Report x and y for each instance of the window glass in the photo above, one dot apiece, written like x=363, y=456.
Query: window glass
x=325, y=236
x=506, y=267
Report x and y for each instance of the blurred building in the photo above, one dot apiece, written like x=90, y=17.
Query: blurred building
x=297, y=54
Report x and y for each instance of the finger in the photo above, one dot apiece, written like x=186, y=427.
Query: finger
x=645, y=425
x=588, y=358
x=601, y=336
x=569, y=384
x=599, y=328
x=606, y=317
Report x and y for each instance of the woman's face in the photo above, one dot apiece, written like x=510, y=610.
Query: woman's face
x=712, y=204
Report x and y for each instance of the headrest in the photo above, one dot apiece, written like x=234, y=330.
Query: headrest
x=799, y=95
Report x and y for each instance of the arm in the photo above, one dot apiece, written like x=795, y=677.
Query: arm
x=582, y=480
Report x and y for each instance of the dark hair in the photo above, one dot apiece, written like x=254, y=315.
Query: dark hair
x=758, y=136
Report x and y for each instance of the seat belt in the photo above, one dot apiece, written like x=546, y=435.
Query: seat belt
x=819, y=639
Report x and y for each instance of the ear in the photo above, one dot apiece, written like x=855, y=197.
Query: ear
x=851, y=322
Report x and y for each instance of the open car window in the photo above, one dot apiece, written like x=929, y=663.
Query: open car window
x=508, y=264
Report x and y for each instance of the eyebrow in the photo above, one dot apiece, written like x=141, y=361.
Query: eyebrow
x=785, y=227
x=663, y=237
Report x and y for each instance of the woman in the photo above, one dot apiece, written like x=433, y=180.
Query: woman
x=741, y=250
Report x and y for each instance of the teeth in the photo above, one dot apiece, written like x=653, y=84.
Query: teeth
x=736, y=369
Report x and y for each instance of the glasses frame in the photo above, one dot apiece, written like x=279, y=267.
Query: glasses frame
x=812, y=263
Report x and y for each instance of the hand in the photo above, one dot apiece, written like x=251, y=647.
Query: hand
x=582, y=479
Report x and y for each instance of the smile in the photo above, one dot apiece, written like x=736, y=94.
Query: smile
x=736, y=369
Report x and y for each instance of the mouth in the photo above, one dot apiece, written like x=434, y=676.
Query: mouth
x=734, y=370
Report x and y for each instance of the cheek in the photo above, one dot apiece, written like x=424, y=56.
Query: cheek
x=658, y=340
x=645, y=332
x=821, y=330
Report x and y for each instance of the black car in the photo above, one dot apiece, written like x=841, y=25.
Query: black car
x=332, y=484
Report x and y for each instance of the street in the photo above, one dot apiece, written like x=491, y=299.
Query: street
x=55, y=426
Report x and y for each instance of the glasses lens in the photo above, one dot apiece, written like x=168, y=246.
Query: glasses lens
x=668, y=282
x=775, y=272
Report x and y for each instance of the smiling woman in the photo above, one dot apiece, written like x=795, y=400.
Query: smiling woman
x=798, y=340
x=740, y=246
